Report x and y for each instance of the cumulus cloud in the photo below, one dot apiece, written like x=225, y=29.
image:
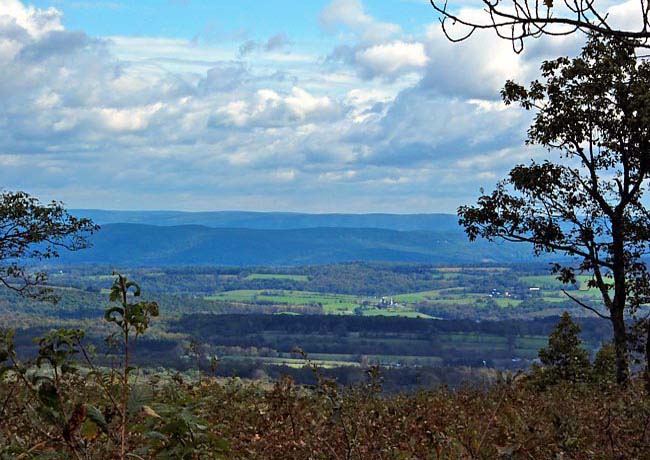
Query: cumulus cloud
x=350, y=14
x=267, y=108
x=475, y=68
x=391, y=59
x=376, y=52
x=226, y=76
x=391, y=122
x=32, y=21
x=277, y=41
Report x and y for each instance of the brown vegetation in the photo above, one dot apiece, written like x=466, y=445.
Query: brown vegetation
x=238, y=420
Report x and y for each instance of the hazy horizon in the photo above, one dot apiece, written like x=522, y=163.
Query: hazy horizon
x=265, y=212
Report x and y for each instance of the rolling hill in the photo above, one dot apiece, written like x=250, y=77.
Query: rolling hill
x=149, y=245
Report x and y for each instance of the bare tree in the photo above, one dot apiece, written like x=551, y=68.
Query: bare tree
x=517, y=20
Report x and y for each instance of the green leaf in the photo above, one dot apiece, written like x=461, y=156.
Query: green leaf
x=220, y=444
x=108, y=314
x=49, y=396
x=95, y=415
x=89, y=430
x=156, y=435
x=138, y=397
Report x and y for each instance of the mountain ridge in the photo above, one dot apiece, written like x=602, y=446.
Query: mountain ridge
x=274, y=220
x=150, y=245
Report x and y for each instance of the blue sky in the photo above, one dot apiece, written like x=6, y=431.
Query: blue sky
x=186, y=19
x=315, y=106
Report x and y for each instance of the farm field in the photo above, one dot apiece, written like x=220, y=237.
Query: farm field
x=467, y=290
x=276, y=276
x=331, y=303
x=335, y=341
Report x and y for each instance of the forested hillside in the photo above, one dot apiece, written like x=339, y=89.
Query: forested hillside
x=149, y=245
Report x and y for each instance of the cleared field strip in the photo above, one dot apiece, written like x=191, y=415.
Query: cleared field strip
x=276, y=276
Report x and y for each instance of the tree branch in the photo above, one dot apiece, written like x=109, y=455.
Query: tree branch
x=522, y=22
x=584, y=305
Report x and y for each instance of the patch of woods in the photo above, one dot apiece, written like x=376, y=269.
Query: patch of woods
x=413, y=353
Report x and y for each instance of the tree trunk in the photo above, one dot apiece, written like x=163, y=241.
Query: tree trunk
x=646, y=374
x=617, y=307
x=620, y=345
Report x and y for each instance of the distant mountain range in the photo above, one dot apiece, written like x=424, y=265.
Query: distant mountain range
x=274, y=220
x=125, y=244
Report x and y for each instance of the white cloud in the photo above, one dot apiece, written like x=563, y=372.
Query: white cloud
x=352, y=15
x=132, y=119
x=626, y=15
x=477, y=67
x=392, y=58
x=338, y=176
x=161, y=122
x=35, y=22
x=286, y=175
x=267, y=108
x=302, y=104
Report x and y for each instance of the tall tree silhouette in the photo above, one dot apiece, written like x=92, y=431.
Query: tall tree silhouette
x=593, y=114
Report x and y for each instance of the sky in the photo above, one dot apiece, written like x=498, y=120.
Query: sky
x=307, y=106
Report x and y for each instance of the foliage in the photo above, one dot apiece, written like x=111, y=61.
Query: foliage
x=605, y=364
x=593, y=112
x=241, y=420
x=564, y=359
x=36, y=231
x=55, y=408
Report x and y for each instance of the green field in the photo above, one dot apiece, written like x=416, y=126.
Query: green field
x=467, y=290
x=475, y=294
x=331, y=303
x=276, y=276
x=448, y=344
x=294, y=362
x=444, y=291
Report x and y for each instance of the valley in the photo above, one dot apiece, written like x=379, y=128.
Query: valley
x=423, y=324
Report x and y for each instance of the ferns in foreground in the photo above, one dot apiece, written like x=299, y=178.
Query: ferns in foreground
x=62, y=405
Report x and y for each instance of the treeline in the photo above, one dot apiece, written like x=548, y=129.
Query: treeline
x=414, y=352
x=203, y=326
x=171, y=355
x=529, y=308
x=359, y=278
